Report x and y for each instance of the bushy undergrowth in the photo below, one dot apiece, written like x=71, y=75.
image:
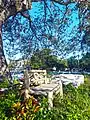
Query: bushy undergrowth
x=6, y=102
x=75, y=105
x=14, y=107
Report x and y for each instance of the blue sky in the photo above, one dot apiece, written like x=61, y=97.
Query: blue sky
x=37, y=10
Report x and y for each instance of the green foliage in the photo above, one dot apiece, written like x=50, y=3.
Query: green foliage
x=87, y=78
x=4, y=83
x=86, y=37
x=15, y=81
x=75, y=105
x=43, y=113
x=46, y=60
x=13, y=107
x=25, y=110
x=72, y=63
x=6, y=101
x=85, y=62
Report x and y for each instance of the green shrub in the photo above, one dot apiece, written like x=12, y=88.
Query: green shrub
x=25, y=110
x=75, y=105
x=14, y=107
x=4, y=84
x=6, y=101
x=43, y=113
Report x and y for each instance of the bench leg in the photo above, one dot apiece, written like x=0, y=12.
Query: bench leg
x=50, y=99
x=61, y=89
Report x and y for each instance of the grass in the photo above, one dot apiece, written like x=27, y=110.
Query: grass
x=75, y=104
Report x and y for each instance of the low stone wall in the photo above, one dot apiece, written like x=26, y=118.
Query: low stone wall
x=75, y=79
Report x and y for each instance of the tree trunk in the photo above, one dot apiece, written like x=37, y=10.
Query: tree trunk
x=3, y=63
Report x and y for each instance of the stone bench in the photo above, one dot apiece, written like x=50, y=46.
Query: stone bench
x=44, y=86
x=75, y=79
x=48, y=90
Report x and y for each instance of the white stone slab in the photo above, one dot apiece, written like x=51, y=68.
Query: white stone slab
x=75, y=79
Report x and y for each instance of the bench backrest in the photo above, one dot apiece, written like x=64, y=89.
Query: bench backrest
x=36, y=76
x=39, y=76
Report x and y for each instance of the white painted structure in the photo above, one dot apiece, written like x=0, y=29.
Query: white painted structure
x=75, y=79
x=44, y=85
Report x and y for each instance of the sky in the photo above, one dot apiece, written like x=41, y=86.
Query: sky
x=37, y=11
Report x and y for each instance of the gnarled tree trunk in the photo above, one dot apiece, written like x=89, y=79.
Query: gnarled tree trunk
x=9, y=8
x=3, y=63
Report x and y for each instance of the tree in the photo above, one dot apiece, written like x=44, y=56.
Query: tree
x=72, y=63
x=61, y=64
x=86, y=37
x=85, y=62
x=12, y=7
x=44, y=59
x=7, y=9
x=41, y=59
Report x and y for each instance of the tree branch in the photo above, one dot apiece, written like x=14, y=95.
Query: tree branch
x=61, y=2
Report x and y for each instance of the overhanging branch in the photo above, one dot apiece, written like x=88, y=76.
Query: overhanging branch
x=61, y=2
